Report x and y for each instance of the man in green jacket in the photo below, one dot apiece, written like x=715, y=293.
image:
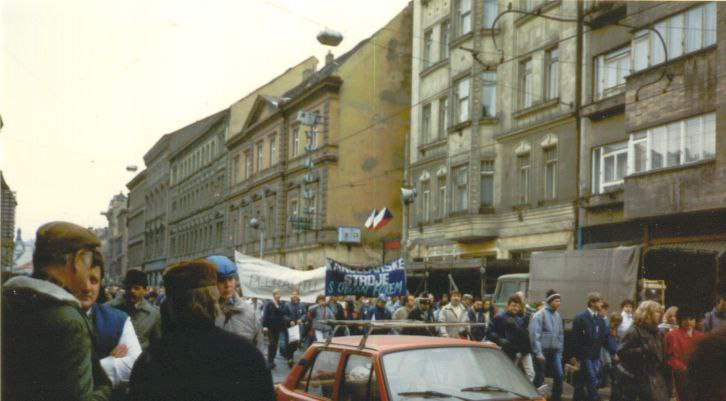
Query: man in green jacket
x=47, y=351
x=145, y=317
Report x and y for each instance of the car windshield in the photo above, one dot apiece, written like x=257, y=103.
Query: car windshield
x=454, y=371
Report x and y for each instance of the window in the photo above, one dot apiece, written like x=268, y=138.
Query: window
x=441, y=196
x=426, y=123
x=260, y=156
x=462, y=100
x=523, y=168
x=610, y=72
x=312, y=139
x=273, y=150
x=248, y=164
x=489, y=94
x=320, y=377
x=550, y=172
x=359, y=382
x=683, y=33
x=427, y=50
x=425, y=200
x=553, y=73
x=491, y=9
x=526, y=83
x=235, y=169
x=461, y=195
x=295, y=145
x=464, y=17
x=486, y=190
x=670, y=145
x=443, y=116
x=444, y=41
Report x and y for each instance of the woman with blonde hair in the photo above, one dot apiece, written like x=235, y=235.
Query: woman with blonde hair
x=643, y=368
x=669, y=321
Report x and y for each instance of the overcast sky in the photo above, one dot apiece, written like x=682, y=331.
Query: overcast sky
x=88, y=86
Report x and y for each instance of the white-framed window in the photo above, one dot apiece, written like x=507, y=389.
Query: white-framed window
x=610, y=72
x=426, y=123
x=444, y=41
x=295, y=142
x=443, y=116
x=248, y=164
x=425, y=200
x=260, y=156
x=491, y=9
x=461, y=94
x=553, y=73
x=550, y=172
x=523, y=178
x=610, y=166
x=461, y=192
x=464, y=22
x=489, y=94
x=683, y=33
x=678, y=143
x=486, y=190
x=428, y=48
x=526, y=79
x=273, y=150
x=441, y=196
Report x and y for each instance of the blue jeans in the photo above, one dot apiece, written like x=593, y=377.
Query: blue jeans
x=587, y=380
x=553, y=365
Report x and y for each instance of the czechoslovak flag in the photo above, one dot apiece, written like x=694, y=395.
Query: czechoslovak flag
x=383, y=217
x=369, y=221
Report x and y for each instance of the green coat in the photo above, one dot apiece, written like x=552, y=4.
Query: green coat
x=47, y=345
x=145, y=317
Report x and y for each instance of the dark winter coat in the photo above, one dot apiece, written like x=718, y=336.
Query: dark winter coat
x=589, y=335
x=510, y=332
x=293, y=312
x=47, y=346
x=423, y=317
x=273, y=316
x=145, y=317
x=202, y=363
x=643, y=360
x=479, y=333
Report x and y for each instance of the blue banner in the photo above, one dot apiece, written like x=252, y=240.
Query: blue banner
x=372, y=281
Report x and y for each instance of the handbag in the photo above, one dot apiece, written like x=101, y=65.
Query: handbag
x=293, y=334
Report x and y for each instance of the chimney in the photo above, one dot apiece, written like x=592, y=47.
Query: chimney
x=329, y=58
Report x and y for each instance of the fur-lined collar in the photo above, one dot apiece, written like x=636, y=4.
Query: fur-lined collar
x=43, y=287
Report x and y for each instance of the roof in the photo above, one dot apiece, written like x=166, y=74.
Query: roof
x=181, y=138
x=386, y=343
x=324, y=72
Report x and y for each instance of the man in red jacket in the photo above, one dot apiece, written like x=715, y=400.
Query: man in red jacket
x=678, y=344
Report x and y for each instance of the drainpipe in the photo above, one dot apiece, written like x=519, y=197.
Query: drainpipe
x=578, y=123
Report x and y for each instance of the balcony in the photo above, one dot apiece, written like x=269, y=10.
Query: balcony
x=687, y=188
x=605, y=107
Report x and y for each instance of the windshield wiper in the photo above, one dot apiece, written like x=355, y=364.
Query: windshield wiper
x=489, y=388
x=429, y=393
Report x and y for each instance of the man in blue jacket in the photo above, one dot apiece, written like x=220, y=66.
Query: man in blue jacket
x=547, y=334
x=589, y=335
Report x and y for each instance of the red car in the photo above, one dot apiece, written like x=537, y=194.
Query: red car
x=405, y=368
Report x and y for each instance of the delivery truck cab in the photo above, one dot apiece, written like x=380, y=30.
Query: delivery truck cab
x=507, y=285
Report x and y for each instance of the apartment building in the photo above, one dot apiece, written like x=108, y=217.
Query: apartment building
x=310, y=189
x=493, y=146
x=135, y=220
x=653, y=145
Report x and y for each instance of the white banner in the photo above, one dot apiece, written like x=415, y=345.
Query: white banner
x=258, y=278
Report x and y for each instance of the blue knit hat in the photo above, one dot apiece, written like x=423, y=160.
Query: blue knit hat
x=225, y=267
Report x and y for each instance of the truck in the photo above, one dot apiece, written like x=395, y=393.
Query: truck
x=614, y=272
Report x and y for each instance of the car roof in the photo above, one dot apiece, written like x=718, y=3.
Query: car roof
x=388, y=343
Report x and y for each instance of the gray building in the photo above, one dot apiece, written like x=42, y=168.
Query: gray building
x=117, y=238
x=653, y=155
x=8, y=204
x=135, y=220
x=197, y=183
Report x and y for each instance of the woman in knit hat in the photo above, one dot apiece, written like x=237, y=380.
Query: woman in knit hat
x=195, y=359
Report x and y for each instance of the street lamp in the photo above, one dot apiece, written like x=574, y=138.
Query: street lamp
x=256, y=224
x=407, y=197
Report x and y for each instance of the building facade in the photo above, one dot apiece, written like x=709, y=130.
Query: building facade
x=117, y=238
x=493, y=145
x=296, y=190
x=198, y=173
x=653, y=141
x=8, y=204
x=135, y=220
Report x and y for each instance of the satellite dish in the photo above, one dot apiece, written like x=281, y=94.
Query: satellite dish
x=329, y=37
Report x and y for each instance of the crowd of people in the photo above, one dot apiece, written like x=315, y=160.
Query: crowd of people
x=64, y=337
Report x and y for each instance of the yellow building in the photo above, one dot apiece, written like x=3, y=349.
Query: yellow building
x=305, y=192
